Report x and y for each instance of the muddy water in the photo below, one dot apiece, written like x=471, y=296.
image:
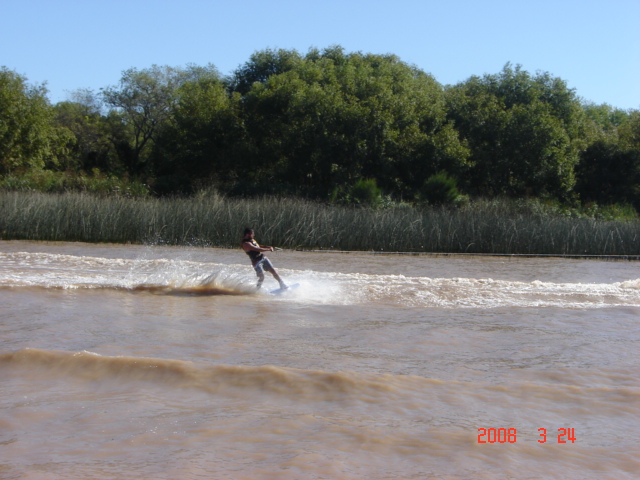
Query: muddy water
x=148, y=362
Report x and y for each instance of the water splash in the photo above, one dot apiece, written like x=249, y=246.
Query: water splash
x=187, y=277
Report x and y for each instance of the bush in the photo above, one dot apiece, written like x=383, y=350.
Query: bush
x=366, y=192
x=49, y=181
x=363, y=192
x=440, y=189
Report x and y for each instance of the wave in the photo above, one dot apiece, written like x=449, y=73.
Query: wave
x=182, y=277
x=159, y=276
x=170, y=373
x=204, y=289
x=296, y=384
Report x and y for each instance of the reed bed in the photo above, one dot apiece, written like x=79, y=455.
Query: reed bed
x=213, y=220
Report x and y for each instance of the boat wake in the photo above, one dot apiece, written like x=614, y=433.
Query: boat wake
x=191, y=278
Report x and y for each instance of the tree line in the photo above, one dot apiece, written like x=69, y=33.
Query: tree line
x=327, y=124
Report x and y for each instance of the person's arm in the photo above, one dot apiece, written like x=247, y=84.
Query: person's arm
x=248, y=246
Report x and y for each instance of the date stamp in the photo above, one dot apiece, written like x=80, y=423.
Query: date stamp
x=510, y=435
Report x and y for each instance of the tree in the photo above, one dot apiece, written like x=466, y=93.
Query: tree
x=609, y=169
x=606, y=119
x=28, y=136
x=608, y=174
x=333, y=118
x=202, y=141
x=92, y=146
x=525, y=132
x=145, y=99
x=629, y=131
x=261, y=66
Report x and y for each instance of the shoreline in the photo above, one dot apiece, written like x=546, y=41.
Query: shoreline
x=630, y=258
x=611, y=258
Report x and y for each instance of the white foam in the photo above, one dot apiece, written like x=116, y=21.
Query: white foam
x=74, y=272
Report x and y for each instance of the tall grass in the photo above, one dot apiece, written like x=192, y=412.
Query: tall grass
x=213, y=220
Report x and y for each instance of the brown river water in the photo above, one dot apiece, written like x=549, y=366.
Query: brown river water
x=155, y=362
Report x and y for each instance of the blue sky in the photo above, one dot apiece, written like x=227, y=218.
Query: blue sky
x=70, y=44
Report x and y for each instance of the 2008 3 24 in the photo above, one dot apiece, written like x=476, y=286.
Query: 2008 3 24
x=510, y=435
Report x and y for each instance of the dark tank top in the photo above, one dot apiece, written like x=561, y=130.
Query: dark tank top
x=253, y=255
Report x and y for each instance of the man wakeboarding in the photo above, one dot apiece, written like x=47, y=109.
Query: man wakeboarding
x=259, y=260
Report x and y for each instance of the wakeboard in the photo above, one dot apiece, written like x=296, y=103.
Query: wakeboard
x=279, y=291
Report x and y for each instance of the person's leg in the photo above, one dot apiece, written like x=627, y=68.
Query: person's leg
x=277, y=277
x=259, y=273
x=271, y=269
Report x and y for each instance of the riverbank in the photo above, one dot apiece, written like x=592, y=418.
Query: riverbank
x=214, y=220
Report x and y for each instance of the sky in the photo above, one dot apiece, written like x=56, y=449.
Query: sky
x=592, y=45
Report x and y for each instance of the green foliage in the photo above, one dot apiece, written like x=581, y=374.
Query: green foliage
x=609, y=168
x=366, y=192
x=440, y=189
x=91, y=138
x=28, y=137
x=608, y=173
x=60, y=182
x=606, y=119
x=332, y=118
x=145, y=99
x=202, y=141
x=629, y=132
x=525, y=133
x=316, y=125
x=261, y=66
